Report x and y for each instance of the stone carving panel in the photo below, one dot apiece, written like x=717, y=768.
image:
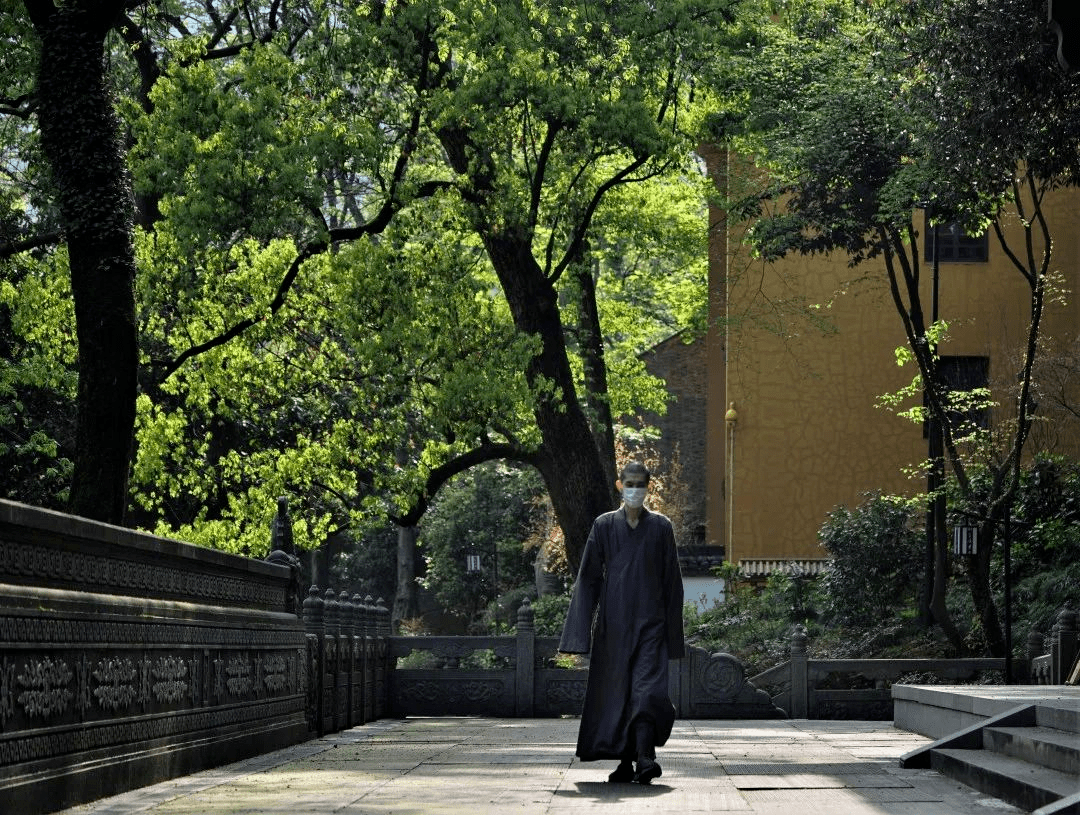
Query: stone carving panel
x=83, y=694
x=274, y=673
x=46, y=684
x=721, y=677
x=565, y=692
x=171, y=674
x=449, y=691
x=239, y=683
x=115, y=683
x=719, y=689
x=144, y=681
x=94, y=571
x=219, y=679
x=38, y=631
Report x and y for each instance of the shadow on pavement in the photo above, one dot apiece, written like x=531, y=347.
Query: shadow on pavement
x=606, y=791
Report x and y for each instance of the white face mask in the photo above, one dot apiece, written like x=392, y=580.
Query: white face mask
x=634, y=497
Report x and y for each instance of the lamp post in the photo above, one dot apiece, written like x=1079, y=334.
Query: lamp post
x=730, y=419
x=1007, y=564
x=935, y=475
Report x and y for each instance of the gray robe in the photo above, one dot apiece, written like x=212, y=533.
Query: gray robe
x=630, y=579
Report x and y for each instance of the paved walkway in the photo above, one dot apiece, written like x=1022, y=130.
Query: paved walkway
x=477, y=766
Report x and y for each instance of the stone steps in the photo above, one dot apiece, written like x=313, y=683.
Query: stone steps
x=1028, y=756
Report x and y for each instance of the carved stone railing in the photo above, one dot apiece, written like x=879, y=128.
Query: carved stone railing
x=1054, y=658
x=521, y=678
x=127, y=658
x=347, y=651
x=854, y=688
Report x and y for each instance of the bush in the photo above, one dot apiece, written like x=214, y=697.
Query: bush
x=549, y=614
x=754, y=625
x=877, y=560
x=1046, y=548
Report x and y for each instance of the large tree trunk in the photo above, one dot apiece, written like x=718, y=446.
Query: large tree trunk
x=569, y=460
x=80, y=139
x=591, y=346
x=981, y=595
x=406, y=600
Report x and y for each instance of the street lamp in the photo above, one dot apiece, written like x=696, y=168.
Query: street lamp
x=731, y=418
x=472, y=563
x=935, y=475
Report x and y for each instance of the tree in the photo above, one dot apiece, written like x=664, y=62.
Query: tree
x=485, y=513
x=581, y=105
x=530, y=160
x=80, y=140
x=354, y=227
x=862, y=115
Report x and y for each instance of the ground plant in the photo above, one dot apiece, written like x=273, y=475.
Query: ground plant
x=864, y=605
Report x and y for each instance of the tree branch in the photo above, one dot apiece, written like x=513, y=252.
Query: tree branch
x=21, y=106
x=553, y=129
x=145, y=60
x=313, y=248
x=440, y=475
x=621, y=177
x=25, y=245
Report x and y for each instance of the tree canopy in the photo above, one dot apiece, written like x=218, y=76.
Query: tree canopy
x=861, y=115
x=375, y=245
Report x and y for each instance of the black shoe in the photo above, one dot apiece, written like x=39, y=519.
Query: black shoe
x=623, y=774
x=647, y=770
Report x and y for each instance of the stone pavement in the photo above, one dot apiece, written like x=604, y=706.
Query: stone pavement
x=477, y=766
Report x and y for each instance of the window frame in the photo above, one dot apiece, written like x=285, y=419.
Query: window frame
x=957, y=247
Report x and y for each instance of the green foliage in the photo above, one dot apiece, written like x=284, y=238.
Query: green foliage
x=876, y=560
x=1045, y=547
x=486, y=512
x=753, y=623
x=549, y=614
x=37, y=380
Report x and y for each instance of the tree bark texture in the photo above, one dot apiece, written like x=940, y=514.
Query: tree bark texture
x=406, y=600
x=81, y=142
x=981, y=594
x=569, y=460
x=591, y=346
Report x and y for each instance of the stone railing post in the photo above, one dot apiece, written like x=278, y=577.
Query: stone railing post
x=525, y=662
x=330, y=668
x=283, y=553
x=799, y=691
x=382, y=657
x=313, y=625
x=369, y=658
x=1063, y=647
x=383, y=616
x=357, y=694
x=1034, y=650
x=345, y=668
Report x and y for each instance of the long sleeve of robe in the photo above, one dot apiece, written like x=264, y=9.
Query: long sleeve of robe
x=629, y=581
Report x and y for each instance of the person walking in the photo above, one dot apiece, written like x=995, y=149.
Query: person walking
x=630, y=582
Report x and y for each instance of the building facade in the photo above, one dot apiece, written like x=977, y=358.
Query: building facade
x=798, y=354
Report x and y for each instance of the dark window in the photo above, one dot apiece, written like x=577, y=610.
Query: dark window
x=953, y=245
x=964, y=374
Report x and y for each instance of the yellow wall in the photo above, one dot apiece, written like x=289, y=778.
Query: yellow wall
x=808, y=435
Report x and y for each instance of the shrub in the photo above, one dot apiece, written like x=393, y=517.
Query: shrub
x=876, y=560
x=549, y=614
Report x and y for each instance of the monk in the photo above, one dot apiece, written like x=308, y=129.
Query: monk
x=630, y=581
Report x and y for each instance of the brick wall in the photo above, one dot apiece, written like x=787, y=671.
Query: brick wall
x=682, y=430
